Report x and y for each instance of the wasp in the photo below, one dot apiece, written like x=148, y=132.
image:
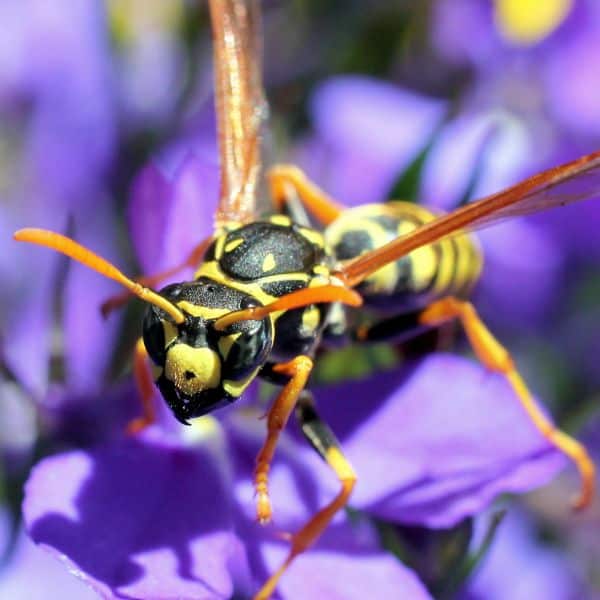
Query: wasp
x=268, y=293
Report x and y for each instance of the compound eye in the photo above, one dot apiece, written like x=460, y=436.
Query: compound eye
x=156, y=334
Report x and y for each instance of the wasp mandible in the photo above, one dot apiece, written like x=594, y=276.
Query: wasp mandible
x=268, y=293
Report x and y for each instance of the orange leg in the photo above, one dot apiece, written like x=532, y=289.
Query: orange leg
x=323, y=440
x=193, y=259
x=145, y=385
x=496, y=358
x=298, y=370
x=287, y=179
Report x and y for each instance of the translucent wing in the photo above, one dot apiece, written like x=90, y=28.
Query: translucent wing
x=573, y=181
x=240, y=104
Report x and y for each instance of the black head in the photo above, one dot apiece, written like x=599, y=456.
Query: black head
x=201, y=368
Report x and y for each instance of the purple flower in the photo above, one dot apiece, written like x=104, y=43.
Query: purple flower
x=33, y=573
x=172, y=514
x=519, y=568
x=367, y=132
x=546, y=82
x=171, y=208
x=57, y=89
x=149, y=60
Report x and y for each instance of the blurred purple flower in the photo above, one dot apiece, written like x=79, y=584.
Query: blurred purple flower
x=149, y=60
x=139, y=517
x=366, y=133
x=548, y=83
x=57, y=88
x=520, y=568
x=32, y=573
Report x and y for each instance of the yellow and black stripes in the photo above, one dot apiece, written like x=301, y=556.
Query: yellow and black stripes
x=450, y=266
x=267, y=260
x=198, y=367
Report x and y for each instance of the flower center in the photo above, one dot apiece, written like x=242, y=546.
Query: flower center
x=526, y=22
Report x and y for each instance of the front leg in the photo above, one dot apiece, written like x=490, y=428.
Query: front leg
x=298, y=370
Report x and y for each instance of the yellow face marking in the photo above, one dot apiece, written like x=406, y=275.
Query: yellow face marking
x=236, y=388
x=202, y=311
x=192, y=370
x=530, y=21
x=280, y=220
x=269, y=263
x=230, y=246
x=226, y=342
x=310, y=320
x=170, y=333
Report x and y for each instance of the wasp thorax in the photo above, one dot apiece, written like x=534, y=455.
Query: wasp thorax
x=200, y=368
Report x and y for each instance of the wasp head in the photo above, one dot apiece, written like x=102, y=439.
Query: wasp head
x=201, y=368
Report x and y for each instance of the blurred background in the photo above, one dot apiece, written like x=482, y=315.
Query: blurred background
x=436, y=101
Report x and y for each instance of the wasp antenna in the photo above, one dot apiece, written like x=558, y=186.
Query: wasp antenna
x=297, y=299
x=70, y=248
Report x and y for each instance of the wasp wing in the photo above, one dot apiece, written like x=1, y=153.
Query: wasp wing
x=240, y=104
x=573, y=181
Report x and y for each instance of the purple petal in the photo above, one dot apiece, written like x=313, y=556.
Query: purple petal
x=150, y=75
x=572, y=76
x=345, y=561
x=371, y=130
x=574, y=228
x=498, y=147
x=548, y=573
x=34, y=574
x=71, y=135
x=494, y=143
x=450, y=22
x=19, y=431
x=168, y=217
x=89, y=338
x=137, y=518
x=342, y=566
x=432, y=447
x=26, y=309
x=59, y=70
x=523, y=263
x=147, y=215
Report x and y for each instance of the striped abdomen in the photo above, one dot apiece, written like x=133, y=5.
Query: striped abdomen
x=448, y=267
